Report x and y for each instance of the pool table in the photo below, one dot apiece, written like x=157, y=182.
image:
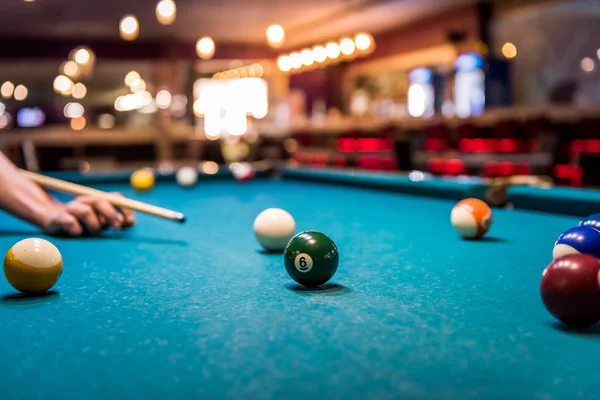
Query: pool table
x=170, y=311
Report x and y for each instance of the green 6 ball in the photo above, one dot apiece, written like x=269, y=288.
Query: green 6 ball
x=311, y=258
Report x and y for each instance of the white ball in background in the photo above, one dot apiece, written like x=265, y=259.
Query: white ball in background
x=187, y=176
x=273, y=229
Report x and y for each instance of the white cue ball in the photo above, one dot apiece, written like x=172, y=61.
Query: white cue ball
x=187, y=176
x=273, y=229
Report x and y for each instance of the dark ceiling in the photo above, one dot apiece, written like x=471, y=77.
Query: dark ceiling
x=239, y=21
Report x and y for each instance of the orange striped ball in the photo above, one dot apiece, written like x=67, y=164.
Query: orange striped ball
x=472, y=218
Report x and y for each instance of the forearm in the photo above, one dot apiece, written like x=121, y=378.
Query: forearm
x=21, y=197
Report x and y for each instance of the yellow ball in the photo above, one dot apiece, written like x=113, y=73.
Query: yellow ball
x=33, y=265
x=142, y=180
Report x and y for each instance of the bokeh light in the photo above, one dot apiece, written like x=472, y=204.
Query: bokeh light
x=63, y=85
x=106, y=121
x=416, y=100
x=197, y=108
x=30, y=117
x=7, y=89
x=129, y=28
x=163, y=99
x=205, y=48
x=139, y=85
x=5, y=121
x=284, y=63
x=295, y=60
x=587, y=64
x=70, y=69
x=509, y=50
x=308, y=57
x=73, y=110
x=131, y=78
x=144, y=98
x=210, y=167
x=257, y=71
x=333, y=50
x=320, y=54
x=79, y=91
x=2, y=108
x=21, y=93
x=130, y=102
x=78, y=124
x=275, y=36
x=166, y=11
x=347, y=46
x=83, y=56
x=363, y=41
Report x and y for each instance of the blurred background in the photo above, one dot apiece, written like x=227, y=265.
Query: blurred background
x=454, y=87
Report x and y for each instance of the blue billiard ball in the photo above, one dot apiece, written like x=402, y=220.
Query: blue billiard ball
x=581, y=239
x=593, y=221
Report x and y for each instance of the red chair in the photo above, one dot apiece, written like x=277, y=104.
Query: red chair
x=346, y=145
x=339, y=160
x=387, y=144
x=389, y=163
x=435, y=166
x=436, y=145
x=480, y=145
x=320, y=160
x=368, y=145
x=505, y=168
x=577, y=147
x=465, y=146
x=506, y=145
x=369, y=162
x=454, y=167
x=572, y=174
x=303, y=158
x=490, y=169
x=591, y=146
x=521, y=169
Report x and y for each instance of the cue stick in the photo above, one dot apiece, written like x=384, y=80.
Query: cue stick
x=80, y=190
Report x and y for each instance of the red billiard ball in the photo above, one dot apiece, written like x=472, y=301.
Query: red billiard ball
x=242, y=172
x=570, y=289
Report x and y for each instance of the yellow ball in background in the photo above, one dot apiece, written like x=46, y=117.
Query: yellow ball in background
x=33, y=265
x=142, y=180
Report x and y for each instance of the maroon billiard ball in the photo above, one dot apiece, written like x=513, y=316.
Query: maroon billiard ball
x=571, y=289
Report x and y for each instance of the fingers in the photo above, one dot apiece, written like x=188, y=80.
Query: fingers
x=128, y=215
x=63, y=222
x=70, y=224
x=85, y=214
x=107, y=214
x=93, y=214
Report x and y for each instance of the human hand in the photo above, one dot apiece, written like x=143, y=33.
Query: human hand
x=87, y=214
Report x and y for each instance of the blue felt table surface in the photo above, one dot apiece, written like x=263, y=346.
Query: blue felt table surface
x=197, y=311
